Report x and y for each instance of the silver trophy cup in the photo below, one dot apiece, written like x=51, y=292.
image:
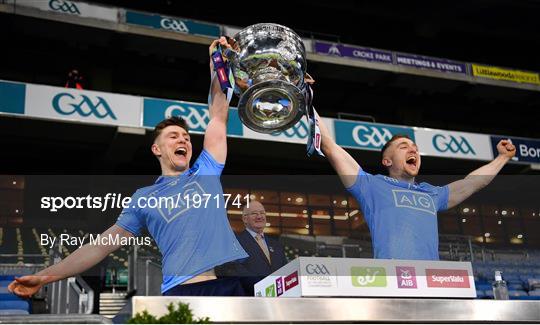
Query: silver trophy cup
x=268, y=62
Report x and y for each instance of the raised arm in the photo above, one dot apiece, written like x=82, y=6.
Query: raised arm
x=460, y=190
x=79, y=261
x=215, y=137
x=345, y=166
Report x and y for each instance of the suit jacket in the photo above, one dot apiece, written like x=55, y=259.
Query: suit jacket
x=257, y=264
x=256, y=267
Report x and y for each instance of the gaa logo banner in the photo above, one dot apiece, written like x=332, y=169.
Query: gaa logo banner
x=196, y=115
x=178, y=25
x=453, y=144
x=64, y=6
x=68, y=7
x=367, y=135
x=83, y=106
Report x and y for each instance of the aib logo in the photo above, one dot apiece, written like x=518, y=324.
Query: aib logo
x=174, y=25
x=406, y=277
x=64, y=6
x=368, y=276
x=279, y=286
x=299, y=130
x=452, y=144
x=317, y=269
x=68, y=104
x=371, y=136
x=196, y=119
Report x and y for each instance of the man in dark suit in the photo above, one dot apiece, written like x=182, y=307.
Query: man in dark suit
x=266, y=255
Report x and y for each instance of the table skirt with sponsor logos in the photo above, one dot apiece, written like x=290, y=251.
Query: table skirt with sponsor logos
x=360, y=277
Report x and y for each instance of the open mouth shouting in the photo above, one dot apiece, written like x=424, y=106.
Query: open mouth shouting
x=180, y=152
x=412, y=161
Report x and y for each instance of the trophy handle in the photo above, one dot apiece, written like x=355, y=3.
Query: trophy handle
x=309, y=79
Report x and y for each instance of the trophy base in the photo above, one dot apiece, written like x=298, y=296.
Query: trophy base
x=271, y=106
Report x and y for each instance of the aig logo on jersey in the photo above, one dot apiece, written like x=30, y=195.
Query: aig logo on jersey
x=414, y=200
x=173, y=206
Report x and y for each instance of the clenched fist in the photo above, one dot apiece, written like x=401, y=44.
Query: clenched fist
x=506, y=149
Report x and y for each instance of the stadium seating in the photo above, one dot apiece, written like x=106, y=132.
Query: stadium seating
x=522, y=276
x=11, y=304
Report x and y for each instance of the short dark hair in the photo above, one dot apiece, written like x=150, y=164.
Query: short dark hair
x=393, y=139
x=173, y=120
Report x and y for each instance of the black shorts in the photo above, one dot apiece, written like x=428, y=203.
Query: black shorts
x=226, y=286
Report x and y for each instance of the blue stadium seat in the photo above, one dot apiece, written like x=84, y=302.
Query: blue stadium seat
x=480, y=293
x=483, y=286
x=515, y=286
x=525, y=298
x=525, y=277
x=11, y=304
x=533, y=283
x=517, y=293
x=4, y=283
x=535, y=293
x=6, y=312
x=511, y=277
x=9, y=277
x=19, y=304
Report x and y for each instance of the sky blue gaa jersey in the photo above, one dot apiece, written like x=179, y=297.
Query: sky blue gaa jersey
x=191, y=239
x=402, y=217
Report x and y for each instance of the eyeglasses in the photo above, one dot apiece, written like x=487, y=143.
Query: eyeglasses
x=256, y=213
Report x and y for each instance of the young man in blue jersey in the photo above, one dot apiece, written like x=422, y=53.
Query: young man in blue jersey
x=401, y=214
x=193, y=241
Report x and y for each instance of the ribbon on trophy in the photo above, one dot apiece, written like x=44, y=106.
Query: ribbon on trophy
x=314, y=139
x=223, y=72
